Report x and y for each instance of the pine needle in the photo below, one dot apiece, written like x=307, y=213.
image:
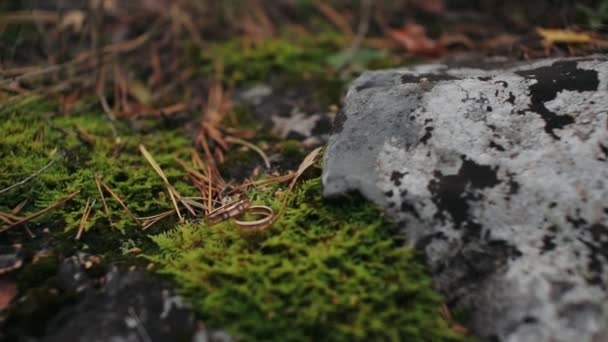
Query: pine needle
x=85, y=217
x=117, y=199
x=173, y=193
x=103, y=201
x=41, y=212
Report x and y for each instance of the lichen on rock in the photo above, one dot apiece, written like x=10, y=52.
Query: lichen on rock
x=499, y=176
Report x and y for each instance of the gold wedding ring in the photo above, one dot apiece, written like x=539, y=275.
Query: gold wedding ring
x=227, y=211
x=265, y=212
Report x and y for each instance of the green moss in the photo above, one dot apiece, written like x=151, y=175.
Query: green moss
x=295, y=55
x=324, y=271
x=291, y=149
x=34, y=138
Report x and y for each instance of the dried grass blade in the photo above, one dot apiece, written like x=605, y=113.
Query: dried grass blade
x=308, y=161
x=161, y=174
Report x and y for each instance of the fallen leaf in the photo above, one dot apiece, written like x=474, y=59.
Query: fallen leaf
x=451, y=39
x=503, y=40
x=430, y=6
x=551, y=36
x=414, y=39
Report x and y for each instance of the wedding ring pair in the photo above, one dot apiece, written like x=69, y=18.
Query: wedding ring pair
x=239, y=208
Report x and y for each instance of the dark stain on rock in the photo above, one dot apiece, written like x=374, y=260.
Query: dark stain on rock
x=451, y=193
x=484, y=78
x=496, y=146
x=511, y=98
x=604, y=150
x=513, y=185
x=408, y=78
x=550, y=80
x=548, y=244
x=598, y=247
x=407, y=207
x=576, y=222
x=427, y=135
x=339, y=121
x=368, y=84
x=396, y=177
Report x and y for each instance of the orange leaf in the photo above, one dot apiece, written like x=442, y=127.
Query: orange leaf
x=414, y=39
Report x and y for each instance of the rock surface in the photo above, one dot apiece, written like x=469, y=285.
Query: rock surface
x=500, y=176
x=128, y=306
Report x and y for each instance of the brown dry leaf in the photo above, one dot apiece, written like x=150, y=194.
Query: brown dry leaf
x=503, y=40
x=450, y=39
x=430, y=6
x=8, y=290
x=414, y=39
x=310, y=159
x=551, y=36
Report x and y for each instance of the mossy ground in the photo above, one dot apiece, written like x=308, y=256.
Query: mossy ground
x=324, y=271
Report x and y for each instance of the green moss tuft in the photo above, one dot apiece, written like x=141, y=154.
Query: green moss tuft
x=298, y=56
x=34, y=137
x=329, y=271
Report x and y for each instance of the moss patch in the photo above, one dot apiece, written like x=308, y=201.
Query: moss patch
x=329, y=271
x=35, y=137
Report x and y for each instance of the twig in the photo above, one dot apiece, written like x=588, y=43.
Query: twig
x=32, y=176
x=41, y=212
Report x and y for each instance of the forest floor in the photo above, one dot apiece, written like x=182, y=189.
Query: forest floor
x=126, y=124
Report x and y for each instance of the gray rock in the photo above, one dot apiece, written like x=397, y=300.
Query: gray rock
x=128, y=307
x=500, y=176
